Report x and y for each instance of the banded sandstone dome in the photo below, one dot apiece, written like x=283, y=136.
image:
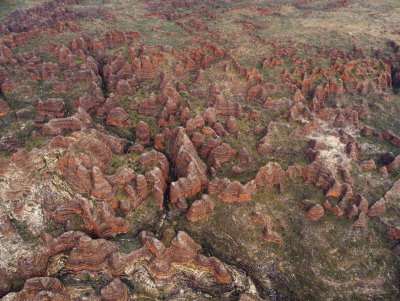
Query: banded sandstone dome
x=199, y=150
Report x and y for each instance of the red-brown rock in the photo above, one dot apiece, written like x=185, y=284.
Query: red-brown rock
x=226, y=107
x=210, y=116
x=143, y=133
x=90, y=255
x=52, y=107
x=4, y=107
x=102, y=189
x=99, y=221
x=316, y=212
x=111, y=103
x=148, y=106
x=272, y=236
x=200, y=208
x=58, y=126
x=394, y=165
x=232, y=125
x=184, y=251
x=5, y=282
x=318, y=175
x=377, y=208
x=221, y=154
x=116, y=290
x=298, y=113
x=195, y=123
x=34, y=264
x=156, y=178
x=185, y=157
x=361, y=221
x=270, y=175
x=368, y=164
x=335, y=191
x=117, y=117
x=228, y=191
x=43, y=288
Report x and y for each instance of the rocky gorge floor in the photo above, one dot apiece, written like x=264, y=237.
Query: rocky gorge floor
x=199, y=150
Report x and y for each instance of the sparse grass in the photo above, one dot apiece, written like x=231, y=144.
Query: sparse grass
x=23, y=230
x=320, y=260
x=7, y=6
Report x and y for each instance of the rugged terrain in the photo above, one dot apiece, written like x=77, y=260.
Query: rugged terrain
x=199, y=150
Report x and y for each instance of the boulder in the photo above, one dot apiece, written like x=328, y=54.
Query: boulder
x=377, y=208
x=43, y=288
x=210, y=116
x=4, y=107
x=272, y=236
x=220, y=130
x=148, y=106
x=236, y=170
x=52, y=107
x=5, y=282
x=270, y=175
x=116, y=290
x=243, y=156
x=200, y=208
x=228, y=191
x=361, y=221
x=394, y=165
x=316, y=212
x=102, y=189
x=368, y=164
x=221, y=154
x=232, y=125
x=97, y=220
x=34, y=264
x=143, y=133
x=90, y=255
x=117, y=117
x=195, y=123
x=318, y=175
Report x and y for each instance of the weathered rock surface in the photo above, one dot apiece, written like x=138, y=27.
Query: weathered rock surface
x=99, y=221
x=228, y=191
x=143, y=133
x=59, y=126
x=110, y=127
x=43, y=288
x=117, y=117
x=189, y=168
x=90, y=254
x=200, y=208
x=270, y=175
x=115, y=291
x=318, y=175
x=221, y=154
x=316, y=212
x=4, y=107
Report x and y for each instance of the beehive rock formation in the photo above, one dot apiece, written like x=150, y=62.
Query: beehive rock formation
x=199, y=150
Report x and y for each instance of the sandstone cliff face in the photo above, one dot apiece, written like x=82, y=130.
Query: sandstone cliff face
x=189, y=168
